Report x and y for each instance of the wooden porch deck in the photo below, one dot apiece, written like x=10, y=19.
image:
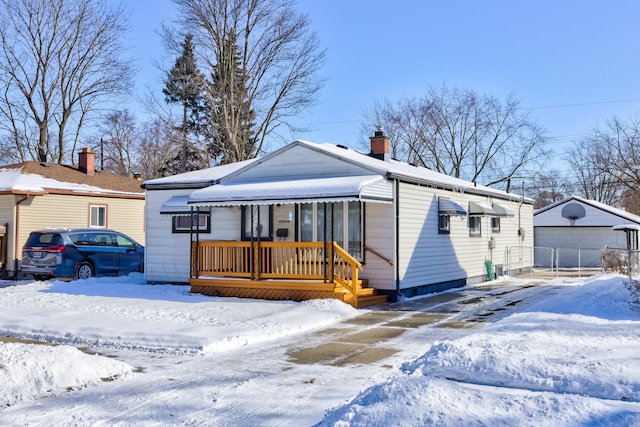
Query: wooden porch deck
x=295, y=271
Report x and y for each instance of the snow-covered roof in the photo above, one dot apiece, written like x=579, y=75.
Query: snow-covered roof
x=198, y=178
x=275, y=187
x=300, y=191
x=598, y=205
x=403, y=170
x=16, y=179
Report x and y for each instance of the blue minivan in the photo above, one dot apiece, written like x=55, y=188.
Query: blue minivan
x=80, y=253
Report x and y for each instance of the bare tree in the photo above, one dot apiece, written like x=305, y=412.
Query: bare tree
x=589, y=169
x=120, y=142
x=548, y=187
x=277, y=54
x=463, y=134
x=158, y=143
x=60, y=60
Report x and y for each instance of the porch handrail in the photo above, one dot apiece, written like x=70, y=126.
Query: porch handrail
x=346, y=271
x=366, y=248
x=277, y=260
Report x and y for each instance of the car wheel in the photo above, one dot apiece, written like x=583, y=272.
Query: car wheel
x=84, y=270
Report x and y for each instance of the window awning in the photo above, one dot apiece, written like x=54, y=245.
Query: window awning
x=369, y=188
x=501, y=210
x=176, y=205
x=449, y=207
x=481, y=209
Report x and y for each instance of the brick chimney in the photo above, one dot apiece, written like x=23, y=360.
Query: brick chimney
x=86, y=161
x=380, y=145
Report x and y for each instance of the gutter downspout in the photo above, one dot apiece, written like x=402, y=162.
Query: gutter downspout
x=15, y=238
x=396, y=199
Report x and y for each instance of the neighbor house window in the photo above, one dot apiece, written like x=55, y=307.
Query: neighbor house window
x=343, y=225
x=183, y=223
x=98, y=216
x=475, y=226
x=444, y=224
x=495, y=224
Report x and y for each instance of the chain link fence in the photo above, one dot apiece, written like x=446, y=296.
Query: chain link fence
x=622, y=261
x=557, y=261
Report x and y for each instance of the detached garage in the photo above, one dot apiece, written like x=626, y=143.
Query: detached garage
x=576, y=224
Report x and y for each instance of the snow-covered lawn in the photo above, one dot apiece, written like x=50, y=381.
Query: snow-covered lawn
x=572, y=359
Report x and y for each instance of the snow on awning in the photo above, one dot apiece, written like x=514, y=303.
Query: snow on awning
x=625, y=227
x=370, y=188
x=449, y=207
x=481, y=209
x=501, y=210
x=176, y=205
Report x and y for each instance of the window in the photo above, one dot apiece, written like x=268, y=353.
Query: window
x=256, y=221
x=475, y=226
x=444, y=224
x=495, y=224
x=182, y=223
x=345, y=229
x=98, y=216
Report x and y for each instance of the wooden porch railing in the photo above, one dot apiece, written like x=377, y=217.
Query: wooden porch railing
x=277, y=260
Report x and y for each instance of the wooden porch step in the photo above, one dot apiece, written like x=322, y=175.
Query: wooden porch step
x=370, y=300
x=295, y=290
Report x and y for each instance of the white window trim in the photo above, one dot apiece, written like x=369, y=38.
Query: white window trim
x=98, y=207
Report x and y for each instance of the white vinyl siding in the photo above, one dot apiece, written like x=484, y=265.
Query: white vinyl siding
x=287, y=164
x=167, y=254
x=379, y=236
x=428, y=257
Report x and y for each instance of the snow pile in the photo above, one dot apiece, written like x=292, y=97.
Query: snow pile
x=126, y=313
x=29, y=371
x=574, y=359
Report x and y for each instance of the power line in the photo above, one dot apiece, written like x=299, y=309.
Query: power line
x=582, y=104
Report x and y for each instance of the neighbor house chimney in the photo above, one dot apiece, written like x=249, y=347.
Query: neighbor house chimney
x=86, y=161
x=380, y=145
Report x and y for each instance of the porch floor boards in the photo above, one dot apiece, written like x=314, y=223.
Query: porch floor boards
x=292, y=290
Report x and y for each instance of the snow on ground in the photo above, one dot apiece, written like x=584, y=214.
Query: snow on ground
x=572, y=359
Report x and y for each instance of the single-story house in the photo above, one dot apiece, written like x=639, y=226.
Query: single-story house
x=261, y=227
x=577, y=223
x=36, y=195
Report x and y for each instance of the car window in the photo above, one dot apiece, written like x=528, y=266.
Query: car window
x=82, y=239
x=43, y=239
x=123, y=241
x=103, y=239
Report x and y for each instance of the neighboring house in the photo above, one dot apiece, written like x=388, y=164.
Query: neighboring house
x=580, y=223
x=576, y=223
x=264, y=223
x=36, y=195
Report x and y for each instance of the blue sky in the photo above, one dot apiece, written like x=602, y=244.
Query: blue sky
x=573, y=63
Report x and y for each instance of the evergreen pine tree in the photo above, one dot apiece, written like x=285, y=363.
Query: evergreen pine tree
x=184, y=85
x=231, y=118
